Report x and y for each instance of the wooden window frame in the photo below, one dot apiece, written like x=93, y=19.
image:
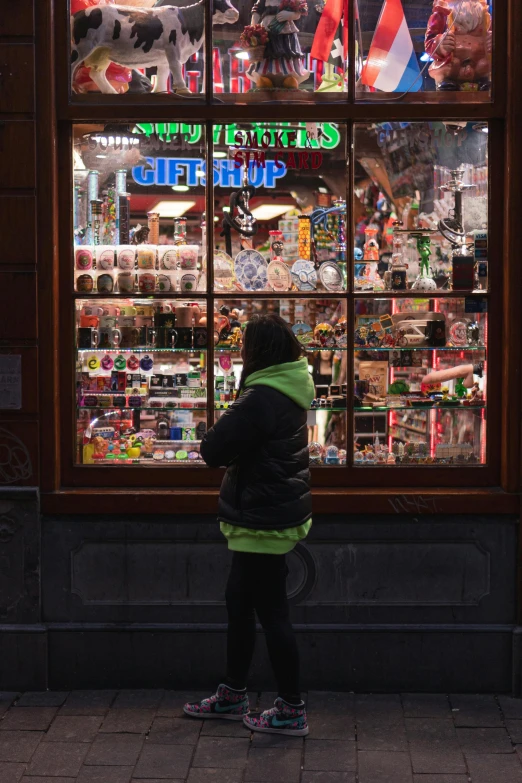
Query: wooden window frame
x=194, y=490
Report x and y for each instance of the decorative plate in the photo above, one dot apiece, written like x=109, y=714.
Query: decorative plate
x=331, y=276
x=251, y=270
x=304, y=275
x=279, y=278
x=224, y=277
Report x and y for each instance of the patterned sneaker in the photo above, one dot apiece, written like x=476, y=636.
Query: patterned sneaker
x=225, y=703
x=283, y=718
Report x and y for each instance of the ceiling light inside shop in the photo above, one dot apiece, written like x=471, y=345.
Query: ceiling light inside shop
x=172, y=209
x=181, y=188
x=270, y=211
x=220, y=154
x=242, y=56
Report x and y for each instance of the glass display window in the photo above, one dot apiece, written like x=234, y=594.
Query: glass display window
x=321, y=326
x=140, y=47
x=282, y=51
x=420, y=382
x=421, y=206
x=141, y=377
x=280, y=200
x=139, y=204
x=433, y=50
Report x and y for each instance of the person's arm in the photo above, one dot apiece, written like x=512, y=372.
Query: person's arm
x=248, y=422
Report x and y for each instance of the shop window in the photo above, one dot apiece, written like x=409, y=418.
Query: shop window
x=320, y=325
x=420, y=376
x=139, y=271
x=282, y=50
x=280, y=195
x=421, y=252
x=407, y=48
x=142, y=46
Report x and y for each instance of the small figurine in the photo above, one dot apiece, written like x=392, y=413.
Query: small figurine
x=424, y=282
x=459, y=40
x=283, y=63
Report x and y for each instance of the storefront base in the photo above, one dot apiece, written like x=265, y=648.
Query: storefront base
x=380, y=603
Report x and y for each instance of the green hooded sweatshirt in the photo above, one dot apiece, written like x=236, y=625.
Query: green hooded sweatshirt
x=293, y=380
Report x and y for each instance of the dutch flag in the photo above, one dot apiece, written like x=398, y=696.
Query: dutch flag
x=392, y=65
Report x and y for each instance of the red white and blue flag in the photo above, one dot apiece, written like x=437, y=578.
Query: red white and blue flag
x=392, y=65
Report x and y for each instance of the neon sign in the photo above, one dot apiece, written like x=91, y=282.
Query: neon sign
x=271, y=134
x=191, y=172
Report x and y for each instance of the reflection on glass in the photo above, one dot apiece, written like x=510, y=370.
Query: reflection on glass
x=407, y=47
x=138, y=209
x=420, y=382
x=279, y=196
x=421, y=206
x=140, y=381
x=320, y=325
x=283, y=50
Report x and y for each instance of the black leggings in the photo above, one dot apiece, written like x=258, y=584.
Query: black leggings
x=257, y=583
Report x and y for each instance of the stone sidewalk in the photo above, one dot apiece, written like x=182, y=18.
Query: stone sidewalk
x=123, y=736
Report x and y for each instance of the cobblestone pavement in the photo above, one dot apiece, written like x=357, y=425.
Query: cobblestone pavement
x=142, y=735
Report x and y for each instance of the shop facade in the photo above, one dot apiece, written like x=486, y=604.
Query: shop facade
x=365, y=187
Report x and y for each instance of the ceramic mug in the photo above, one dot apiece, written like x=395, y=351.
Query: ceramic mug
x=85, y=284
x=87, y=337
x=109, y=338
x=126, y=320
x=110, y=310
x=132, y=337
x=125, y=282
x=128, y=310
x=107, y=321
x=87, y=321
x=93, y=310
x=105, y=283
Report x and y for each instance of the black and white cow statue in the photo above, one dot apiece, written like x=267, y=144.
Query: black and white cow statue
x=165, y=37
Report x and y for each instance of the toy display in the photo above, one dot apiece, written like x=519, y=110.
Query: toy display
x=420, y=383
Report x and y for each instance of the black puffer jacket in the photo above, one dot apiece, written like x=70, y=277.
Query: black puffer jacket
x=262, y=439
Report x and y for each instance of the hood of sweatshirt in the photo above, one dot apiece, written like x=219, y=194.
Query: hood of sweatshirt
x=291, y=379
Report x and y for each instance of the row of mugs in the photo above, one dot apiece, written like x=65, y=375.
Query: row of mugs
x=146, y=282
x=183, y=337
x=109, y=257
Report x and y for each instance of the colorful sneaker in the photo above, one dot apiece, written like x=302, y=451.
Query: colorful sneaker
x=226, y=703
x=283, y=718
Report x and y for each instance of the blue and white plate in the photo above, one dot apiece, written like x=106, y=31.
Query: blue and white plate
x=304, y=276
x=251, y=270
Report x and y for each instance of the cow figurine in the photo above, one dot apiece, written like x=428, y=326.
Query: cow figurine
x=165, y=37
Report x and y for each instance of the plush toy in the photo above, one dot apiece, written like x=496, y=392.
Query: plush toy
x=459, y=40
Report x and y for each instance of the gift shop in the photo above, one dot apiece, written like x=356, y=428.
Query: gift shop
x=172, y=169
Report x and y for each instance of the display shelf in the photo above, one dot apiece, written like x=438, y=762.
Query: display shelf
x=140, y=350
x=138, y=296
x=143, y=408
x=412, y=294
x=365, y=409
x=423, y=348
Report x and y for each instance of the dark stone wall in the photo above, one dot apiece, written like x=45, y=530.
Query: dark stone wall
x=380, y=603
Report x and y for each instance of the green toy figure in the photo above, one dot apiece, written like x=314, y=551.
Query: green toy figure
x=424, y=281
x=460, y=389
x=424, y=248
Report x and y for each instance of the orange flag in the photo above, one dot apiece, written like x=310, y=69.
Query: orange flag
x=333, y=12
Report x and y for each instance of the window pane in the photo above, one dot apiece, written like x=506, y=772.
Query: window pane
x=420, y=382
x=282, y=50
x=140, y=46
x=421, y=206
x=140, y=345
x=411, y=47
x=320, y=325
x=283, y=227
